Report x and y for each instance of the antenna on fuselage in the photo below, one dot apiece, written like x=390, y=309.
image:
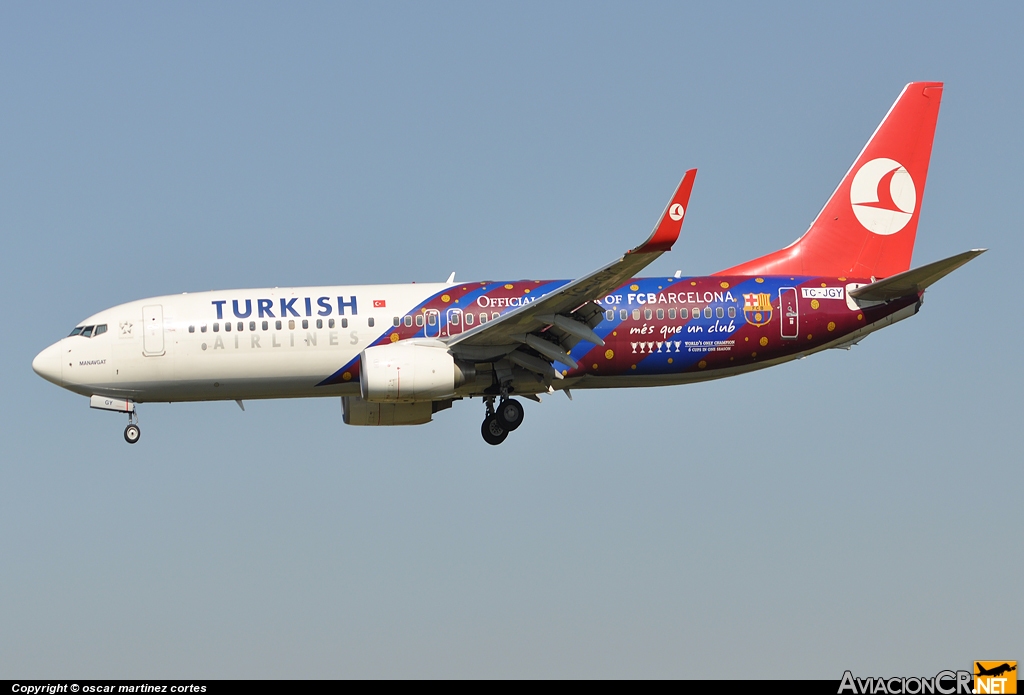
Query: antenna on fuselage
x=451, y=279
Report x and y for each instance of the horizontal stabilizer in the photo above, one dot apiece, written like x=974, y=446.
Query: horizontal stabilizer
x=913, y=281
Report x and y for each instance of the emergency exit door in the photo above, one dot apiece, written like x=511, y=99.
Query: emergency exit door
x=153, y=330
x=790, y=313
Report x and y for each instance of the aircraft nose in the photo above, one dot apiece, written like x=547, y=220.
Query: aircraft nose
x=47, y=364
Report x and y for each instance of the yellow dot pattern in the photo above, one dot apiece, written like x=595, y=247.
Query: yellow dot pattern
x=609, y=354
x=831, y=325
x=764, y=341
x=815, y=304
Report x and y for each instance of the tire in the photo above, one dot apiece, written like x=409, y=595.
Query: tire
x=492, y=431
x=510, y=414
x=132, y=433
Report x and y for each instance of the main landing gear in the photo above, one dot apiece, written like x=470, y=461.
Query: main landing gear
x=132, y=431
x=500, y=422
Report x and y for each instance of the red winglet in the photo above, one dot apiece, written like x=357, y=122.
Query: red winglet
x=667, y=231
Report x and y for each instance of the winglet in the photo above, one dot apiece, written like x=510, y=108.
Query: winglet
x=667, y=231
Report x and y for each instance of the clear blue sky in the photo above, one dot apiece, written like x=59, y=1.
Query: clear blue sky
x=852, y=510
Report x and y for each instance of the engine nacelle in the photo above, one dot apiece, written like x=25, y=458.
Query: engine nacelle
x=410, y=372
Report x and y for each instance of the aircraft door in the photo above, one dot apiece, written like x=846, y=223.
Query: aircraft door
x=453, y=322
x=433, y=327
x=789, y=313
x=153, y=330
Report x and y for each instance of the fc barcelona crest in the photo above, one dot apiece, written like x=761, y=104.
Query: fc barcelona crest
x=757, y=308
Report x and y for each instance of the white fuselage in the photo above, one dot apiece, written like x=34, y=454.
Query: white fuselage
x=165, y=348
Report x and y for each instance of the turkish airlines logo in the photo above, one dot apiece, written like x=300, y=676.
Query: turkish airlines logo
x=883, y=196
x=676, y=212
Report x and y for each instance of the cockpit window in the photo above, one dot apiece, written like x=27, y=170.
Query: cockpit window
x=87, y=331
x=78, y=329
x=100, y=330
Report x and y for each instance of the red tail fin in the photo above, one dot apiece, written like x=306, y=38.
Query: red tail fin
x=868, y=226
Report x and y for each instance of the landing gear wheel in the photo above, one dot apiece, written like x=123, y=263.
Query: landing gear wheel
x=132, y=433
x=510, y=414
x=492, y=430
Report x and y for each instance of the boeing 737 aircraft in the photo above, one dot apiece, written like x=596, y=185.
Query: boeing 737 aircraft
x=397, y=354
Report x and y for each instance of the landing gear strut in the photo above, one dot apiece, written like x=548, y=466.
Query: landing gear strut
x=132, y=431
x=497, y=424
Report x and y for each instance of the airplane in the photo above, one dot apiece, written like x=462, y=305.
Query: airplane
x=995, y=671
x=398, y=354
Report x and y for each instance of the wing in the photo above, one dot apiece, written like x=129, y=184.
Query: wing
x=551, y=325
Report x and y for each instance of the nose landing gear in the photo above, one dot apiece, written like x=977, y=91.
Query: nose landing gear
x=497, y=424
x=132, y=431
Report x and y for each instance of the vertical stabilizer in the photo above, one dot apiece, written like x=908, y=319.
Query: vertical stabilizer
x=868, y=227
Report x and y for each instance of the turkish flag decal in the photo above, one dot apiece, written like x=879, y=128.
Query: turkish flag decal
x=379, y=303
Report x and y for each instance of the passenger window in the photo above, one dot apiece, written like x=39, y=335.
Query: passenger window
x=305, y=323
x=648, y=314
x=431, y=319
x=77, y=331
x=277, y=325
x=202, y=329
x=291, y=324
x=419, y=320
x=100, y=330
x=87, y=331
x=732, y=312
x=494, y=315
x=369, y=322
x=216, y=328
x=720, y=312
x=252, y=325
x=469, y=319
x=636, y=314
x=330, y=323
x=408, y=321
x=191, y=329
x=227, y=326
x=707, y=312
x=661, y=314
x=344, y=323
x=398, y=322
x=609, y=316
x=455, y=320
x=319, y=323
x=623, y=314
x=241, y=326
x=483, y=318
x=266, y=325
x=672, y=313
x=684, y=313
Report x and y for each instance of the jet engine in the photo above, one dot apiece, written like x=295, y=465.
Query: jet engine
x=410, y=372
